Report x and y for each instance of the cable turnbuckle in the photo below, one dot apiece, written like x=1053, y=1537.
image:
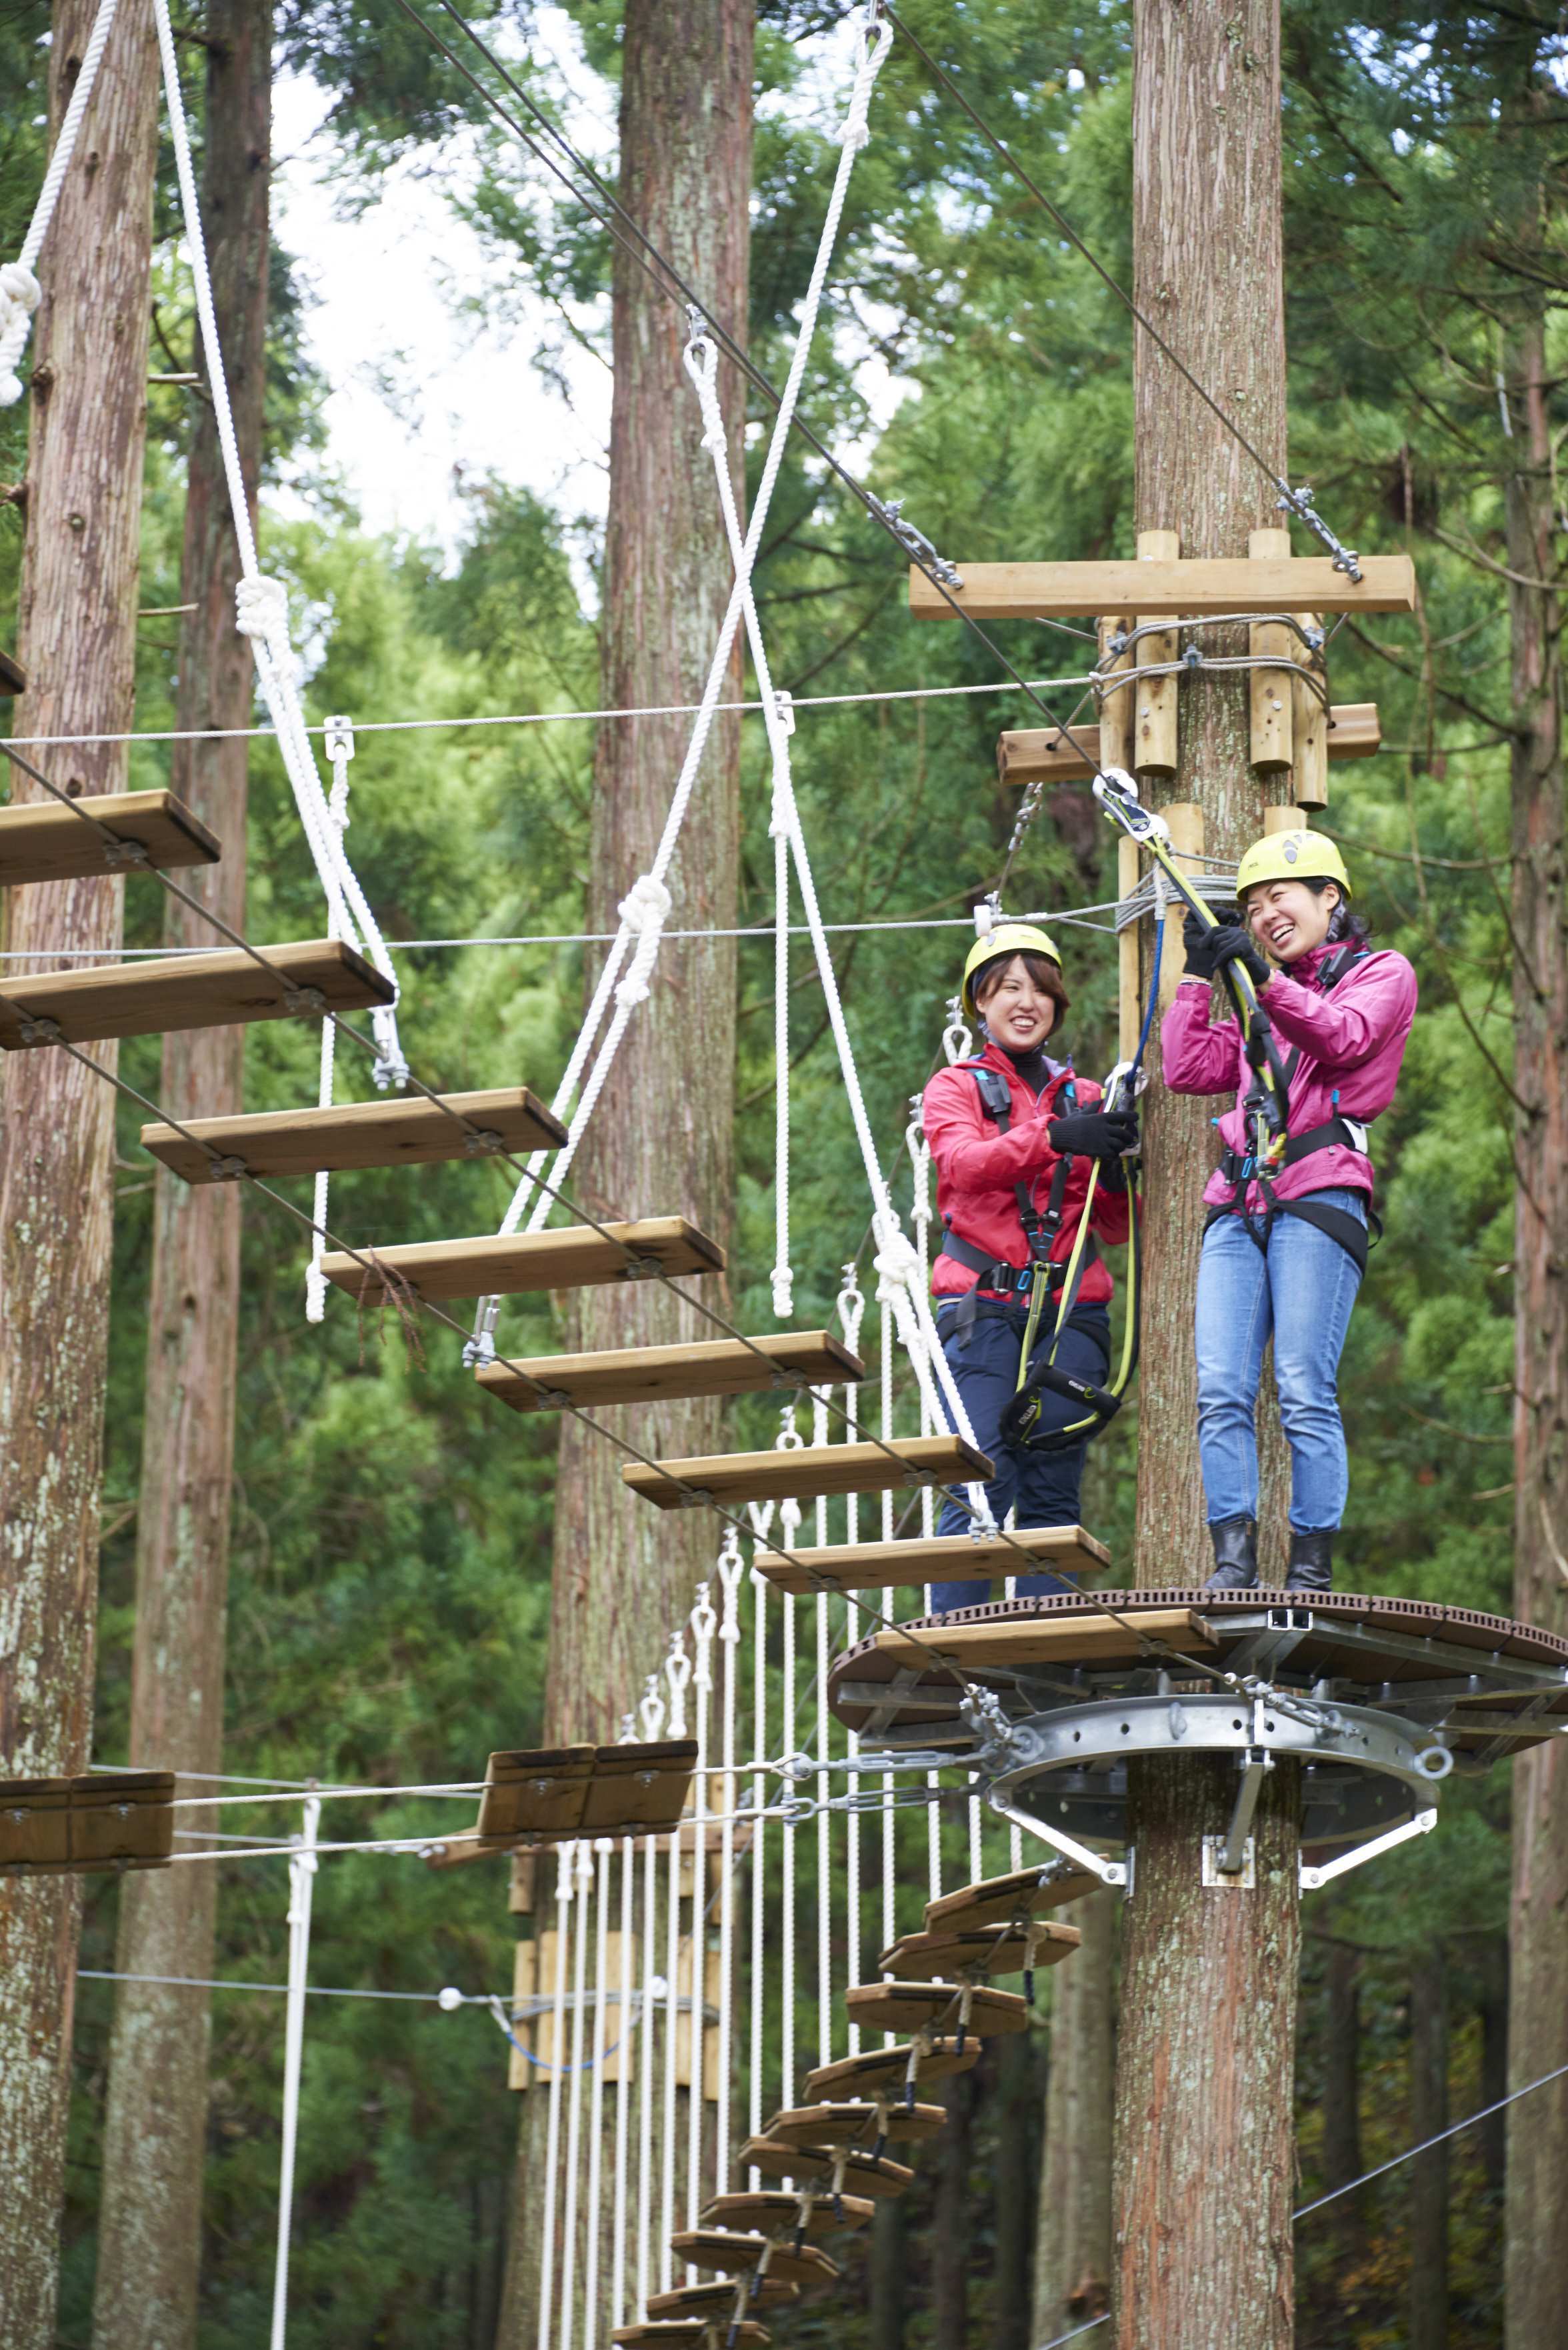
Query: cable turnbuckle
x=1299, y=502
x=914, y=542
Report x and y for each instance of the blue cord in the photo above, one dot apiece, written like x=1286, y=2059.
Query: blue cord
x=1153, y=998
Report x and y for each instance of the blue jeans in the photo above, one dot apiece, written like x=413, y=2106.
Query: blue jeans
x=1302, y=1292
x=1041, y=1486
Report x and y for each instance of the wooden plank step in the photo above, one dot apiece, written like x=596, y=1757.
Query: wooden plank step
x=179, y=991
x=713, y=1366
x=13, y=676
x=42, y=841
x=1046, y=755
x=1003, y=1950
x=779, y=2214
x=803, y=1474
x=814, y=2166
x=736, y=2255
x=857, y=2124
x=1151, y=590
x=1009, y=1900
x=509, y=1264
x=881, y=2072
x=577, y=1791
x=914, y=2006
x=109, y=1819
x=395, y=1131
x=656, y=2333
x=718, y=2301
x=1079, y=1639
x=944, y=1558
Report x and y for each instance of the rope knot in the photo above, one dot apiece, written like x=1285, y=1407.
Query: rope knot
x=899, y=1264
x=20, y=294
x=644, y=910
x=260, y=607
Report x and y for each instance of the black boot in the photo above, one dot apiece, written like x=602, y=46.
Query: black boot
x=1235, y=1544
x=1312, y=1561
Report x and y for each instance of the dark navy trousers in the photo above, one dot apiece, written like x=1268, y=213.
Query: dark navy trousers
x=1043, y=1487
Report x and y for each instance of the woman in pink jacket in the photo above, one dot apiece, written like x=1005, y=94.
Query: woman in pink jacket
x=1284, y=1256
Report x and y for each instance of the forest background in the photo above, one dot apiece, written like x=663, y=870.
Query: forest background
x=389, y=1581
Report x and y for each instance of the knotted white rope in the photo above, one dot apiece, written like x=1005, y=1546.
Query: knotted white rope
x=20, y=292
x=339, y=750
x=872, y=48
x=778, y=827
x=261, y=609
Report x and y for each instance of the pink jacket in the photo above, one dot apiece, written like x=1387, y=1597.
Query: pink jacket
x=1349, y=1045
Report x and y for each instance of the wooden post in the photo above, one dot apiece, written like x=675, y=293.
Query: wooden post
x=1270, y=690
x=1309, y=721
x=77, y=647
x=155, y=2130
x=1204, y=2138
x=1155, y=732
x=1115, y=709
x=1185, y=818
x=1130, y=954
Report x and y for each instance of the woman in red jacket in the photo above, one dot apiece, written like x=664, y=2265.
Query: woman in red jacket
x=1012, y=1133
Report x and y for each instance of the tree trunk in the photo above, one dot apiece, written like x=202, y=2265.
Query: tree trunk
x=1430, y=2172
x=1537, y=2243
x=887, y=2282
x=1205, y=2059
x=1017, y=2143
x=1073, y=2244
x=1493, y=2005
x=953, y=2235
x=1342, y=2159
x=155, y=2127
x=77, y=642
x=662, y=1142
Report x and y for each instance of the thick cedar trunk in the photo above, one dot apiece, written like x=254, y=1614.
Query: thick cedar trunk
x=1537, y=2242
x=1073, y=2245
x=57, y=1120
x=1430, y=2172
x=661, y=1140
x=1342, y=2159
x=952, y=2232
x=1205, y=2055
x=155, y=2127
x=1016, y=2164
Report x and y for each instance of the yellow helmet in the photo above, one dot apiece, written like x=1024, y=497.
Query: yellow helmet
x=1007, y=939
x=1292, y=856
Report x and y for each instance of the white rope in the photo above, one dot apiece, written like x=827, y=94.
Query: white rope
x=759, y=1913
x=652, y=1713
x=602, y=1847
x=629, y=2064
x=704, y=1623
x=730, y=1568
x=676, y=1674
x=339, y=750
x=584, y=1872
x=20, y=292
x=552, y=2129
x=784, y=1280
x=262, y=604
x=851, y=1309
x=302, y=1869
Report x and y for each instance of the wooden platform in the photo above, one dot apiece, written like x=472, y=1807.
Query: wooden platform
x=395, y=1131
x=914, y=2006
x=1009, y=1900
x=586, y=1791
x=737, y=2255
x=42, y=841
x=878, y=2072
x=713, y=1366
x=857, y=2124
x=710, y=2302
x=765, y=2214
x=944, y=1558
x=109, y=1819
x=1196, y=589
x=180, y=992
x=1087, y=1639
x=1000, y=1950
x=514, y=1263
x=877, y=2181
x=811, y=1471
x=1048, y=755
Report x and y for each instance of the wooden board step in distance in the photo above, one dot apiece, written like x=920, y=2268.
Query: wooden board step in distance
x=1009, y=1900
x=944, y=1558
x=855, y=2124
x=815, y=2165
x=510, y=1265
x=764, y=2214
x=881, y=2072
x=664, y=2334
x=1047, y=754
x=42, y=841
x=911, y=2006
x=712, y=1366
x=396, y=1132
x=718, y=2301
x=1078, y=1639
x=180, y=991
x=113, y=1819
x=1178, y=588
x=809, y=1472
x=587, y=1790
x=1000, y=1950
x=734, y=2255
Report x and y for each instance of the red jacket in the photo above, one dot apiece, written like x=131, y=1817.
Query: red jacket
x=978, y=1168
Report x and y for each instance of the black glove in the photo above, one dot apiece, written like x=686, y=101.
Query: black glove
x=1095, y=1134
x=1209, y=950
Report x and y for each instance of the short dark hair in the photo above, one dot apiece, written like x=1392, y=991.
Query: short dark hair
x=1047, y=975
x=1344, y=927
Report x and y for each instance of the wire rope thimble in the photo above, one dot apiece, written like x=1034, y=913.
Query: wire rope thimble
x=678, y=1676
x=704, y=1624
x=789, y=1438
x=851, y=1306
x=730, y=1570
x=958, y=1043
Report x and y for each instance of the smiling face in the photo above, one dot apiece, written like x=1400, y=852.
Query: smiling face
x=1288, y=918
x=1018, y=1011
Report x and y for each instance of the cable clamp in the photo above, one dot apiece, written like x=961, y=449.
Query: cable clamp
x=304, y=1002
x=228, y=1169
x=691, y=1497
x=479, y=1348
x=117, y=853
x=1192, y=658
x=40, y=1030
x=642, y=1268
x=337, y=738
x=914, y=542
x=483, y=1143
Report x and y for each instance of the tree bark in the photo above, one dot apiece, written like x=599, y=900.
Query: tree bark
x=887, y=2273
x=1430, y=2172
x=1493, y=2007
x=1342, y=2159
x=155, y=2126
x=1017, y=2144
x=951, y=2231
x=1205, y=2059
x=1536, y=2259
x=662, y=1142
x=78, y=626
x=1073, y=2243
